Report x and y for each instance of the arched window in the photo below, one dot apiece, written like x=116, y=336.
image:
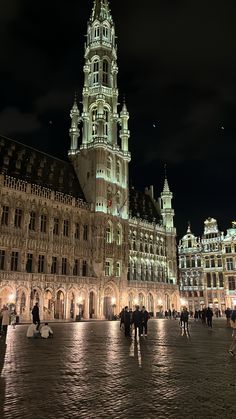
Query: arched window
x=94, y=122
x=119, y=235
x=109, y=233
x=118, y=199
x=95, y=72
x=105, y=68
x=105, y=32
x=118, y=171
x=96, y=32
x=106, y=120
x=108, y=167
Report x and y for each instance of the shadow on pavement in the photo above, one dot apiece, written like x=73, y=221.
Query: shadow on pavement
x=3, y=348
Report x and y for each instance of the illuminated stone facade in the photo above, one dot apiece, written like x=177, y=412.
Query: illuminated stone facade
x=72, y=235
x=207, y=268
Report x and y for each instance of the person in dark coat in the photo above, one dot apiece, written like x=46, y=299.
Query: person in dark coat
x=127, y=322
x=145, y=318
x=184, y=318
x=203, y=316
x=209, y=315
x=137, y=321
x=35, y=314
x=228, y=315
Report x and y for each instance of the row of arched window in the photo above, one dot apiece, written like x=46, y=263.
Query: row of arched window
x=113, y=233
x=97, y=76
x=146, y=272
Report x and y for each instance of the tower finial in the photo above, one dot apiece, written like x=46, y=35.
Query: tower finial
x=189, y=227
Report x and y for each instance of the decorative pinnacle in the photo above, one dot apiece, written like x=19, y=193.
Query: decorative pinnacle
x=189, y=227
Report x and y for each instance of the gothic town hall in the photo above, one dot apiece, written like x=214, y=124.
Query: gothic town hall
x=74, y=235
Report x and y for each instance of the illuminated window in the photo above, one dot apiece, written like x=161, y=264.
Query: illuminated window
x=106, y=121
x=117, y=268
x=229, y=264
x=96, y=32
x=118, y=235
x=108, y=233
x=94, y=122
x=108, y=268
x=105, y=32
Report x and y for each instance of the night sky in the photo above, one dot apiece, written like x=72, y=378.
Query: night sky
x=177, y=69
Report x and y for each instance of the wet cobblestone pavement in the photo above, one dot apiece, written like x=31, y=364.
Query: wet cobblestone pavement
x=90, y=370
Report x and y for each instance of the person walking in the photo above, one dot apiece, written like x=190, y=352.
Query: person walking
x=228, y=313
x=232, y=348
x=35, y=314
x=209, y=315
x=137, y=321
x=184, y=318
x=5, y=320
x=126, y=315
x=145, y=318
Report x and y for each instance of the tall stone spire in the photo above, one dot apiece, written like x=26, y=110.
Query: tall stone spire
x=101, y=11
x=101, y=160
x=167, y=211
x=74, y=130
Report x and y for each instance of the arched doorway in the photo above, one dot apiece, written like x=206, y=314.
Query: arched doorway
x=59, y=307
x=91, y=305
x=151, y=304
x=141, y=300
x=72, y=305
x=109, y=304
x=167, y=302
x=48, y=305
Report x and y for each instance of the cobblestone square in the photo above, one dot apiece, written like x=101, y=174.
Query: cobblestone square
x=90, y=370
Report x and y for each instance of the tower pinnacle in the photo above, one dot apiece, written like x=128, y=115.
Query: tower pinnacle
x=101, y=10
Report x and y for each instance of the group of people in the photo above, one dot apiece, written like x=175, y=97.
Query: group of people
x=137, y=320
x=35, y=330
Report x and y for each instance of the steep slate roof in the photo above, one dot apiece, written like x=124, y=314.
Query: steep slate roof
x=26, y=163
x=142, y=206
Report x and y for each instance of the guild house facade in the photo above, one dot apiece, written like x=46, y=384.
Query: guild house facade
x=207, y=268
x=73, y=235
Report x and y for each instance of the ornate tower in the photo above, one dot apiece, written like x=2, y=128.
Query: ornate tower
x=101, y=161
x=167, y=211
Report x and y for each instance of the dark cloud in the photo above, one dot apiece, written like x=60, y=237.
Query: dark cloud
x=13, y=121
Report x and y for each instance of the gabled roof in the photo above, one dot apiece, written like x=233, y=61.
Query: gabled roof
x=142, y=206
x=28, y=164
